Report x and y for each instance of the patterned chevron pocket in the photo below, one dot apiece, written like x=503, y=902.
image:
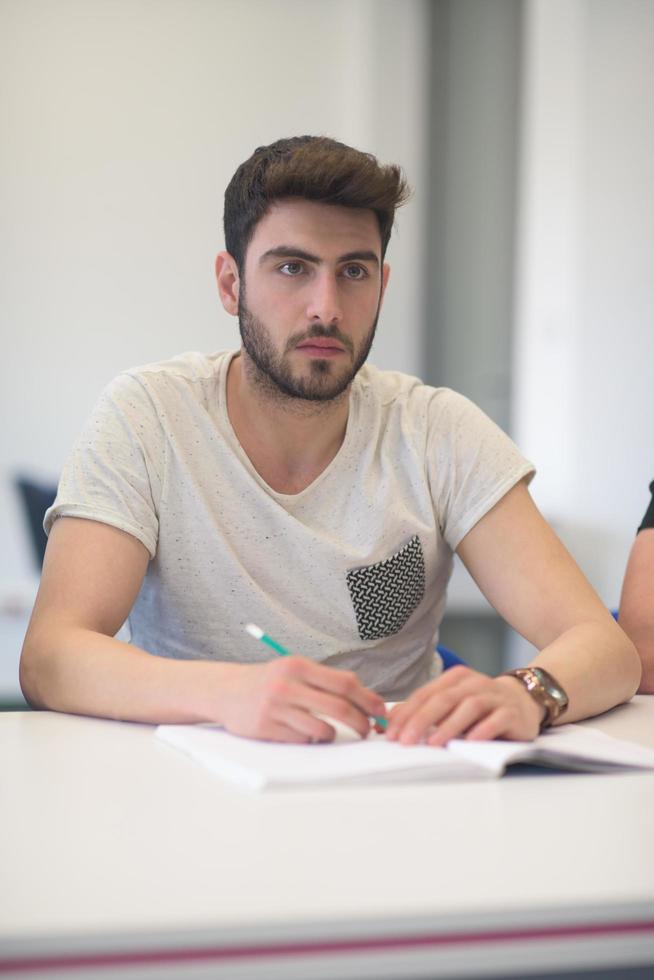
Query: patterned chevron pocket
x=385, y=594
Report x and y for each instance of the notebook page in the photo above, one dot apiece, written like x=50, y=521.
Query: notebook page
x=566, y=746
x=257, y=764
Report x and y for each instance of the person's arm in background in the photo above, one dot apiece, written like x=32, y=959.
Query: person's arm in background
x=528, y=576
x=71, y=661
x=636, y=614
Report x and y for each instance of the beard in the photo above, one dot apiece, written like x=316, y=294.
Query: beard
x=273, y=373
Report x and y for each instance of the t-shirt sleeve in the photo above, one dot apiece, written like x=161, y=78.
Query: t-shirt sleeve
x=472, y=464
x=115, y=471
x=648, y=519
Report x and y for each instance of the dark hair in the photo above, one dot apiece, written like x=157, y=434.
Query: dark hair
x=316, y=168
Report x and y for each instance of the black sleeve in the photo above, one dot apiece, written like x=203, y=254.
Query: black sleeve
x=648, y=519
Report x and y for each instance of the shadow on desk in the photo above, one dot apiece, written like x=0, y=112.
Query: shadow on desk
x=623, y=973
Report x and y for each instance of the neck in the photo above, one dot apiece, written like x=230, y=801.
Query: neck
x=289, y=441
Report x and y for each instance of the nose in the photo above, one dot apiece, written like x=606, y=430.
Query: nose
x=325, y=302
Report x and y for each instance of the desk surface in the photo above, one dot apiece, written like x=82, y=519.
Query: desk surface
x=119, y=854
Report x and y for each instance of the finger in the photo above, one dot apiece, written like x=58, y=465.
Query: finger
x=321, y=703
x=429, y=714
x=443, y=702
x=400, y=713
x=505, y=722
x=466, y=714
x=305, y=725
x=494, y=725
x=450, y=679
x=433, y=710
x=274, y=731
x=288, y=685
x=343, y=683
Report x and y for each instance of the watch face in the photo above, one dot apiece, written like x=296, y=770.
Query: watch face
x=558, y=696
x=551, y=688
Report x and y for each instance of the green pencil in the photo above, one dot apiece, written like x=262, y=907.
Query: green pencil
x=259, y=634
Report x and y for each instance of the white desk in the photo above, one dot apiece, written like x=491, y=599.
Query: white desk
x=120, y=857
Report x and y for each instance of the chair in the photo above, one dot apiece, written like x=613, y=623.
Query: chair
x=35, y=498
x=449, y=659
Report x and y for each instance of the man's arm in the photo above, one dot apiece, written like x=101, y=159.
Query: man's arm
x=525, y=572
x=71, y=662
x=637, y=604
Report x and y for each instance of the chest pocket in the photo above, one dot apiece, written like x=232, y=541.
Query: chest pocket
x=385, y=594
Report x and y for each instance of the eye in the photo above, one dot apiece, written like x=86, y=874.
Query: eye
x=291, y=268
x=355, y=272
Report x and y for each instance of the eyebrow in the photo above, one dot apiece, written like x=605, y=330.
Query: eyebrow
x=290, y=251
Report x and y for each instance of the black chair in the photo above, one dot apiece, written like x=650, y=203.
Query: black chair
x=35, y=498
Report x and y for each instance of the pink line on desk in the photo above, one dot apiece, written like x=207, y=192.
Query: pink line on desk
x=219, y=954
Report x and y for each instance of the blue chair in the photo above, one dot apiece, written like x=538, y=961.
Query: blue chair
x=449, y=659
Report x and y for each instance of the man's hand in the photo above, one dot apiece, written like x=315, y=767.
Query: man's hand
x=72, y=662
x=280, y=701
x=463, y=703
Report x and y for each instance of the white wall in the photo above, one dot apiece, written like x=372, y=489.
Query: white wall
x=121, y=122
x=584, y=354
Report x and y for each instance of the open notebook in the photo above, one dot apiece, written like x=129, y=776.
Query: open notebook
x=258, y=765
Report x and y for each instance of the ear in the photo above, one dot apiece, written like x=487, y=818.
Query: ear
x=386, y=272
x=228, y=281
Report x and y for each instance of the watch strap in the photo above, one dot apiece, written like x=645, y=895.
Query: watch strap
x=544, y=689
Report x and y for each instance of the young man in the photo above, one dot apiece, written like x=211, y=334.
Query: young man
x=637, y=600
x=291, y=485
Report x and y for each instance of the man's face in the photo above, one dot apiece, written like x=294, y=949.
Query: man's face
x=309, y=297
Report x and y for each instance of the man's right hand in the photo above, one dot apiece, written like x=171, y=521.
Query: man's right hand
x=281, y=700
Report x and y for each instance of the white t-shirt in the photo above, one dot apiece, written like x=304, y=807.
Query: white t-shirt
x=351, y=572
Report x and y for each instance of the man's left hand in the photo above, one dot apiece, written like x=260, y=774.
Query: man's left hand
x=462, y=703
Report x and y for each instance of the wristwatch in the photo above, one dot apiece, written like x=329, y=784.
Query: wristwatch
x=544, y=689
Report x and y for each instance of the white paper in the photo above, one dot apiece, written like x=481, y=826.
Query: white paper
x=258, y=765
x=565, y=747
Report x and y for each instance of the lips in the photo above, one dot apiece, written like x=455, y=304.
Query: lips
x=321, y=344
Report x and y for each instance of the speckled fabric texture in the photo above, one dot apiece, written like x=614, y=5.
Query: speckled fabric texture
x=418, y=467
